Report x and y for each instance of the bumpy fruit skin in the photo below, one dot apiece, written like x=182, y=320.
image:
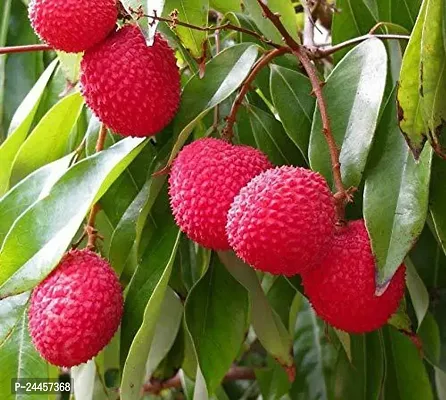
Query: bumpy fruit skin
x=204, y=179
x=342, y=288
x=282, y=221
x=76, y=310
x=132, y=88
x=72, y=25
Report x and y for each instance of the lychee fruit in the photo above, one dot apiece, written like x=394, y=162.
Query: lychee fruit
x=72, y=25
x=282, y=221
x=204, y=179
x=132, y=88
x=76, y=310
x=342, y=288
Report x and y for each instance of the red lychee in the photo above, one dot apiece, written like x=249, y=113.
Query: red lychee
x=72, y=25
x=342, y=288
x=76, y=310
x=204, y=179
x=132, y=88
x=282, y=221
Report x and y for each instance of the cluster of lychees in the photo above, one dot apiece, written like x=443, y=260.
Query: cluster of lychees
x=134, y=89
x=283, y=221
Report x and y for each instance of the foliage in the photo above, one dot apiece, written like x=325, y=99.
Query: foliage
x=193, y=316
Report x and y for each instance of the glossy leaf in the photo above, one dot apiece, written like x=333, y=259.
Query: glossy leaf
x=51, y=136
x=40, y=237
x=266, y=323
x=273, y=381
x=410, y=101
x=353, y=92
x=291, y=95
x=84, y=376
x=395, y=196
x=19, y=359
x=353, y=19
x=437, y=199
x=216, y=322
x=20, y=125
x=29, y=191
x=401, y=12
x=224, y=74
x=225, y=6
x=418, y=292
x=287, y=14
x=193, y=12
x=140, y=330
x=11, y=310
x=5, y=12
x=71, y=65
x=166, y=330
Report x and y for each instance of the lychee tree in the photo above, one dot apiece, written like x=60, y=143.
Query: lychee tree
x=224, y=199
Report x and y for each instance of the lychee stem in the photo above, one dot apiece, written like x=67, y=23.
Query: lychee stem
x=90, y=229
x=228, y=131
x=342, y=196
x=25, y=48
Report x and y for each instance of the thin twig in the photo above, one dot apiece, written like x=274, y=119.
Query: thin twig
x=217, y=50
x=342, y=196
x=174, y=21
x=90, y=229
x=24, y=49
x=228, y=131
x=234, y=374
x=321, y=53
x=308, y=33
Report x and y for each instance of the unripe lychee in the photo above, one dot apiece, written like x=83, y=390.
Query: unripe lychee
x=205, y=178
x=72, y=25
x=342, y=288
x=132, y=88
x=76, y=310
x=282, y=221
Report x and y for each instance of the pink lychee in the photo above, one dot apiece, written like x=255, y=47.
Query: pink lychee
x=204, y=179
x=76, y=310
x=282, y=221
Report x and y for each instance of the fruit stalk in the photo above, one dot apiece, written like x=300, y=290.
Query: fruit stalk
x=263, y=61
x=90, y=228
x=342, y=196
x=25, y=48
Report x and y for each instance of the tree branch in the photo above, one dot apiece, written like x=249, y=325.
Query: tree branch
x=342, y=196
x=90, y=229
x=155, y=386
x=228, y=131
x=25, y=48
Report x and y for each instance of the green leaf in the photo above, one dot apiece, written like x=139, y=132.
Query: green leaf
x=224, y=74
x=19, y=359
x=225, y=6
x=216, y=321
x=84, y=376
x=401, y=12
x=411, y=379
x=433, y=71
x=269, y=136
x=417, y=290
x=395, y=196
x=51, y=136
x=267, y=325
x=273, y=381
x=437, y=199
x=20, y=125
x=11, y=310
x=353, y=19
x=284, y=8
x=313, y=356
x=5, y=12
x=39, y=238
x=166, y=330
x=410, y=107
x=281, y=295
x=353, y=92
x=146, y=293
x=29, y=191
x=291, y=95
x=193, y=12
x=71, y=65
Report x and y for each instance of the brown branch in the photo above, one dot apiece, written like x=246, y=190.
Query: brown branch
x=228, y=131
x=174, y=21
x=321, y=53
x=155, y=386
x=342, y=196
x=25, y=48
x=90, y=229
